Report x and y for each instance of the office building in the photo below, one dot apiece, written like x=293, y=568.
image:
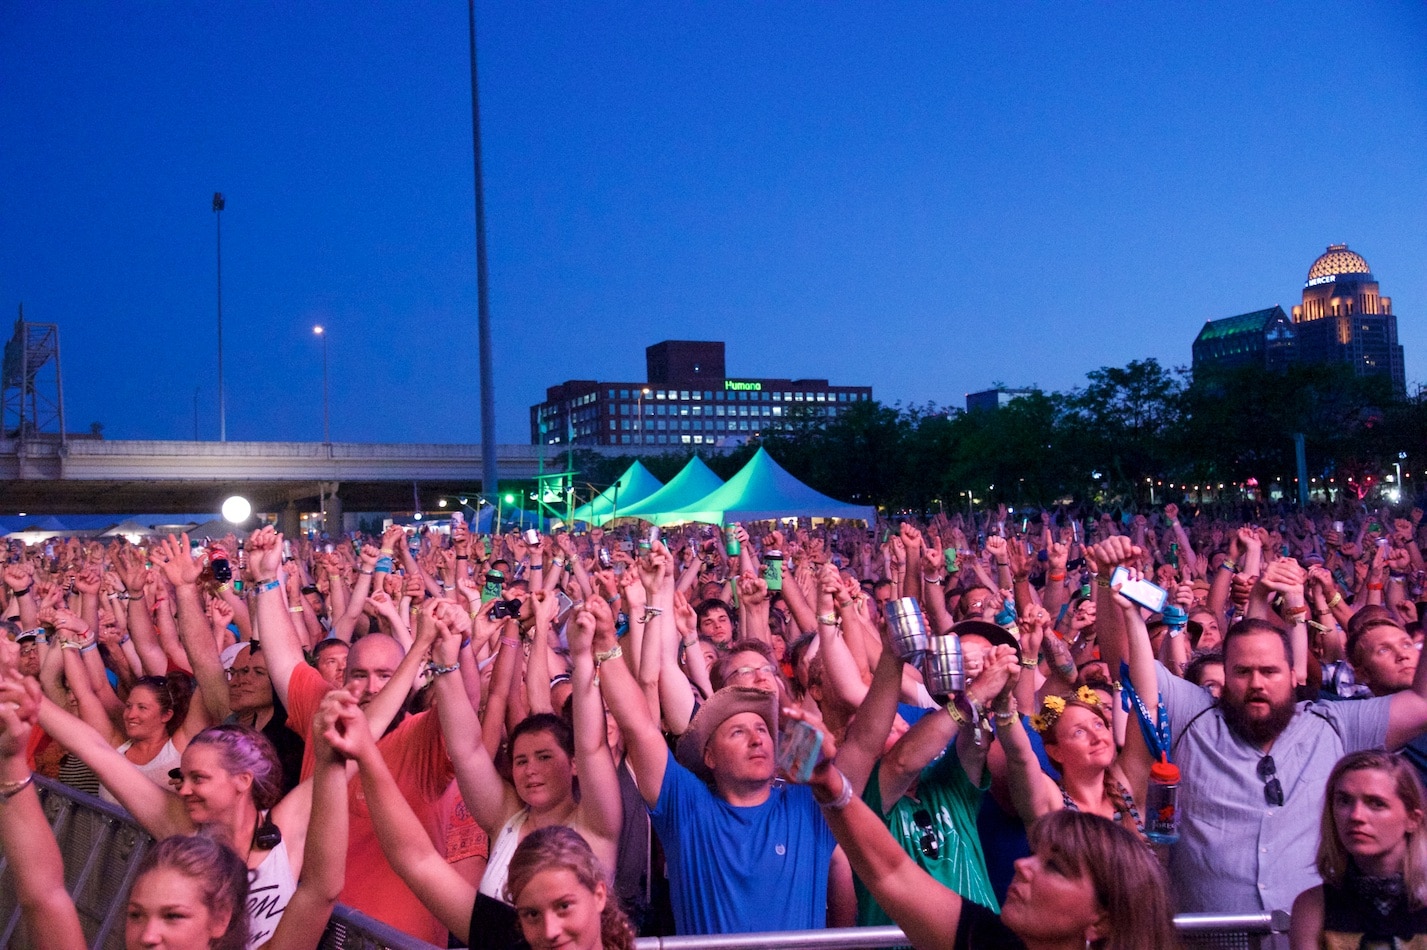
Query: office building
x=1343, y=319
x=993, y=398
x=687, y=398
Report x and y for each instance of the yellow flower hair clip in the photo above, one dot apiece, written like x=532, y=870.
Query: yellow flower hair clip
x=1053, y=706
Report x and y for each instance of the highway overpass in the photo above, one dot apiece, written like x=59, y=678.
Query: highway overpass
x=118, y=476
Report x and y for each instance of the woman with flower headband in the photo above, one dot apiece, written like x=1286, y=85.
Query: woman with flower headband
x=1079, y=738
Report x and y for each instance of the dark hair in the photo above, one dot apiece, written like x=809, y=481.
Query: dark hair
x=545, y=722
x=713, y=603
x=1252, y=625
x=1130, y=885
x=245, y=749
x=325, y=644
x=173, y=694
x=221, y=876
x=1194, y=672
x=561, y=848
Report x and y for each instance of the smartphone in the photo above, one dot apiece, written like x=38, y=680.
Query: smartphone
x=1338, y=527
x=799, y=749
x=494, y=586
x=458, y=517
x=949, y=555
x=1150, y=596
x=532, y=536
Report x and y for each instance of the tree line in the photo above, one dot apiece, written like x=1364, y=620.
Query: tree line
x=1129, y=436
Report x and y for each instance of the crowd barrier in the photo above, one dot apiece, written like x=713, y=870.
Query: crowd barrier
x=1198, y=931
x=102, y=848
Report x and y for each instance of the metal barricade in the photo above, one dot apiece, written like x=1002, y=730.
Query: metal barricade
x=1206, y=931
x=102, y=848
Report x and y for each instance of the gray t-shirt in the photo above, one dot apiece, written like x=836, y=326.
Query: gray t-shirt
x=1236, y=853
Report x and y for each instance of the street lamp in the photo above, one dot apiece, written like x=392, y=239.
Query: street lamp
x=218, y=205
x=639, y=407
x=326, y=413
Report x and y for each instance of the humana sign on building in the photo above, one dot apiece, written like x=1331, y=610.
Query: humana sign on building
x=736, y=385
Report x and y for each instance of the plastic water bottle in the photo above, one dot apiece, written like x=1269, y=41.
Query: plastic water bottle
x=1162, y=804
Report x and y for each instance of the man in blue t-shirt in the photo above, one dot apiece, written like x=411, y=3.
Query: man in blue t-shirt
x=744, y=853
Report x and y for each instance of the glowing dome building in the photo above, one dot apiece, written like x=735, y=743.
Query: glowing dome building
x=1342, y=319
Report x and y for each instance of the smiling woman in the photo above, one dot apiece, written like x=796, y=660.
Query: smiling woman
x=561, y=895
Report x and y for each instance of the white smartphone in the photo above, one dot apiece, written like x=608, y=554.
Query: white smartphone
x=1147, y=595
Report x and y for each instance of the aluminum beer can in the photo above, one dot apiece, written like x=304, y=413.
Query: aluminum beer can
x=907, y=629
x=944, y=667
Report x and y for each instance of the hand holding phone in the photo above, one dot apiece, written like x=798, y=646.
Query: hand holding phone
x=1147, y=595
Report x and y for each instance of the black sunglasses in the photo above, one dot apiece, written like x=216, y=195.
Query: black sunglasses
x=930, y=845
x=1268, y=774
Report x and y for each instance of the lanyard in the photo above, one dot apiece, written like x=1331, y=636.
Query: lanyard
x=1156, y=737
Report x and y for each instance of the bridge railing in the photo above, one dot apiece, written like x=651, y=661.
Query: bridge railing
x=102, y=848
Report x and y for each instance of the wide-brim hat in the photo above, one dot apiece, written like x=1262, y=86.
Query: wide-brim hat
x=996, y=634
x=729, y=701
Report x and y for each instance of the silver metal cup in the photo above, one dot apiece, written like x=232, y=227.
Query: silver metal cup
x=944, y=667
x=907, y=629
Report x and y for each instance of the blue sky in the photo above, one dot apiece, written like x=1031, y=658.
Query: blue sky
x=922, y=197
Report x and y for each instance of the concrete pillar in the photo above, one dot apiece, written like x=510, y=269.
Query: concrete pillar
x=333, y=522
x=290, y=522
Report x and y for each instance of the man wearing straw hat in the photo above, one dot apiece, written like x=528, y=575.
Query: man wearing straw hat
x=744, y=853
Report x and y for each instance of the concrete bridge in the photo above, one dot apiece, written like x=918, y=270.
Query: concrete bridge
x=82, y=475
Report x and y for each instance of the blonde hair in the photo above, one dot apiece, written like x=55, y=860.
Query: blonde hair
x=1333, y=858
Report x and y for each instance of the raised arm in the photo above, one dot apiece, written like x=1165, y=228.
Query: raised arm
x=281, y=646
x=25, y=836
x=926, y=911
x=601, y=808
x=158, y=810
x=404, y=841
x=324, y=854
x=642, y=739
x=489, y=797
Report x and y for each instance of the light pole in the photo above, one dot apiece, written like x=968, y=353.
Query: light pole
x=218, y=205
x=639, y=412
x=326, y=413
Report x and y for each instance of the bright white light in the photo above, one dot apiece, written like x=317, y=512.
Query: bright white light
x=317, y=330
x=237, y=509
x=417, y=516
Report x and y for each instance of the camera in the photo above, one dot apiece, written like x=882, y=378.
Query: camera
x=504, y=609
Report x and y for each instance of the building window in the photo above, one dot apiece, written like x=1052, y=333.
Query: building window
x=624, y=440
x=683, y=394
x=686, y=439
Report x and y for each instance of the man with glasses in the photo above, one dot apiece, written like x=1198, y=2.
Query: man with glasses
x=1254, y=765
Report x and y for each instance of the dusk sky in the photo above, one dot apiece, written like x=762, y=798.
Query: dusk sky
x=921, y=197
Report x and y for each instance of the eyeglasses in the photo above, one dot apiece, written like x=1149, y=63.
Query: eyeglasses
x=929, y=841
x=1268, y=774
x=748, y=672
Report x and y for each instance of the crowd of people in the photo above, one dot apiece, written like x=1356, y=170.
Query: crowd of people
x=568, y=739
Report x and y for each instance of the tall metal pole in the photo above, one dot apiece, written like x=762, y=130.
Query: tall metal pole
x=218, y=204
x=489, y=478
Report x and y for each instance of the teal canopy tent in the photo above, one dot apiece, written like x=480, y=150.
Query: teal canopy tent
x=694, y=481
x=635, y=485
x=761, y=491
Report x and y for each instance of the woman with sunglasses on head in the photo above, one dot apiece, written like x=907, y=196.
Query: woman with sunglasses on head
x=231, y=790
x=1373, y=859
x=150, y=726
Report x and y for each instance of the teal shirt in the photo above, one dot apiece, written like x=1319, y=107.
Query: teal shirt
x=946, y=805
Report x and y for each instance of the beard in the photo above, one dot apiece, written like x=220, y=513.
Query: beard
x=1260, y=732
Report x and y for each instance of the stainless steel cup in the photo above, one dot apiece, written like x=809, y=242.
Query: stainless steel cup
x=907, y=629
x=944, y=667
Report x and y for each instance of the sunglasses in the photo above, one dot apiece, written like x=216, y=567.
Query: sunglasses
x=1272, y=788
x=929, y=841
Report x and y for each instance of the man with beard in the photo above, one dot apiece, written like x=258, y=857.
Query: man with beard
x=1254, y=765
